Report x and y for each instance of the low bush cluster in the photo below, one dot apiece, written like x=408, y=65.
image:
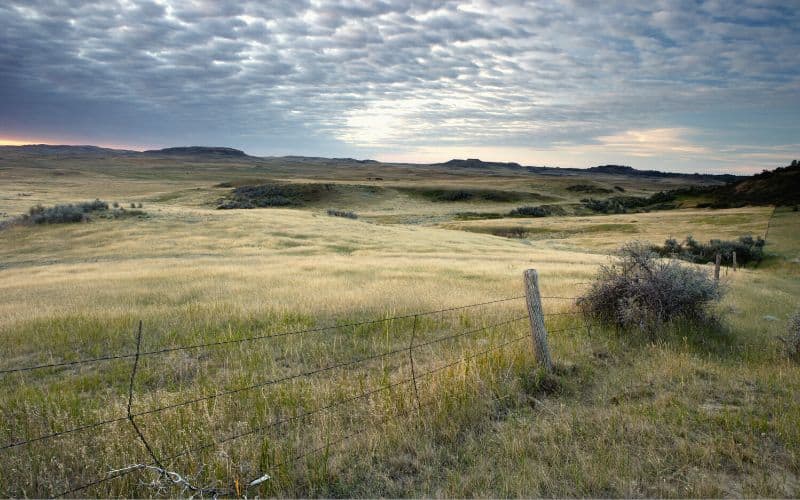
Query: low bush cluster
x=588, y=188
x=58, y=214
x=276, y=195
x=342, y=213
x=662, y=200
x=70, y=213
x=747, y=248
x=642, y=292
x=540, y=211
x=529, y=212
x=456, y=195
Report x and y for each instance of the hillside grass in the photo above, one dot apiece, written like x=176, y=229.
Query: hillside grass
x=697, y=413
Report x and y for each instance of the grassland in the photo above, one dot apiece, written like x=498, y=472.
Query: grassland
x=698, y=413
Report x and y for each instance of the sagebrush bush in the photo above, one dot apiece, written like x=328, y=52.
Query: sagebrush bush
x=792, y=340
x=640, y=291
x=60, y=214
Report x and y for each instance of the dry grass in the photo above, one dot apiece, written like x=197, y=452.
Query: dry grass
x=699, y=413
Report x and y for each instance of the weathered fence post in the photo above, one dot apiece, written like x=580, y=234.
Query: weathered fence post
x=536, y=314
x=717, y=263
x=733, y=258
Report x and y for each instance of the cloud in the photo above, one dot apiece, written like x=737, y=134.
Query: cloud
x=651, y=142
x=349, y=77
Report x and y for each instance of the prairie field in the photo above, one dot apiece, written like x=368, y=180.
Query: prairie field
x=240, y=299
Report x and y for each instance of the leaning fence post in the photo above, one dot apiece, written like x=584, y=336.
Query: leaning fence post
x=717, y=262
x=536, y=314
x=733, y=258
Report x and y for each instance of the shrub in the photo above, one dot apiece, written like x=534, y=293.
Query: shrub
x=441, y=195
x=747, y=248
x=792, y=340
x=529, y=212
x=641, y=291
x=54, y=215
x=276, y=195
x=342, y=213
x=540, y=211
x=588, y=188
x=624, y=204
x=60, y=214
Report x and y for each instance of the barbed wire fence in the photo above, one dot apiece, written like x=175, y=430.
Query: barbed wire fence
x=160, y=463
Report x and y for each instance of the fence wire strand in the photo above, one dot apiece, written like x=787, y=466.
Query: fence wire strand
x=254, y=386
x=305, y=415
x=110, y=357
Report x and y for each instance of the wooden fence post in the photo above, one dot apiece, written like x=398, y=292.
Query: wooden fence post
x=536, y=315
x=733, y=257
x=717, y=263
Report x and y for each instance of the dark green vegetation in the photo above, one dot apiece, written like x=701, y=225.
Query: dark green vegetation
x=640, y=292
x=779, y=187
x=286, y=194
x=747, y=248
x=443, y=195
x=771, y=187
x=589, y=188
x=631, y=204
x=540, y=211
x=71, y=213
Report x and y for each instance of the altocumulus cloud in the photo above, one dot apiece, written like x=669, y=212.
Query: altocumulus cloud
x=677, y=85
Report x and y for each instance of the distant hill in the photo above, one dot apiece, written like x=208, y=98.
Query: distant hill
x=476, y=163
x=198, y=151
x=63, y=150
x=632, y=172
x=771, y=187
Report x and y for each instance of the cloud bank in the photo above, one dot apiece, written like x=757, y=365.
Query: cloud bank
x=673, y=85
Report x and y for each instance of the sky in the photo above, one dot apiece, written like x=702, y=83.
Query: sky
x=693, y=86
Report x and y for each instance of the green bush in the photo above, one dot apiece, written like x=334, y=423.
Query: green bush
x=59, y=214
x=642, y=292
x=624, y=204
x=70, y=213
x=540, y=211
x=529, y=212
x=747, y=248
x=588, y=188
x=276, y=195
